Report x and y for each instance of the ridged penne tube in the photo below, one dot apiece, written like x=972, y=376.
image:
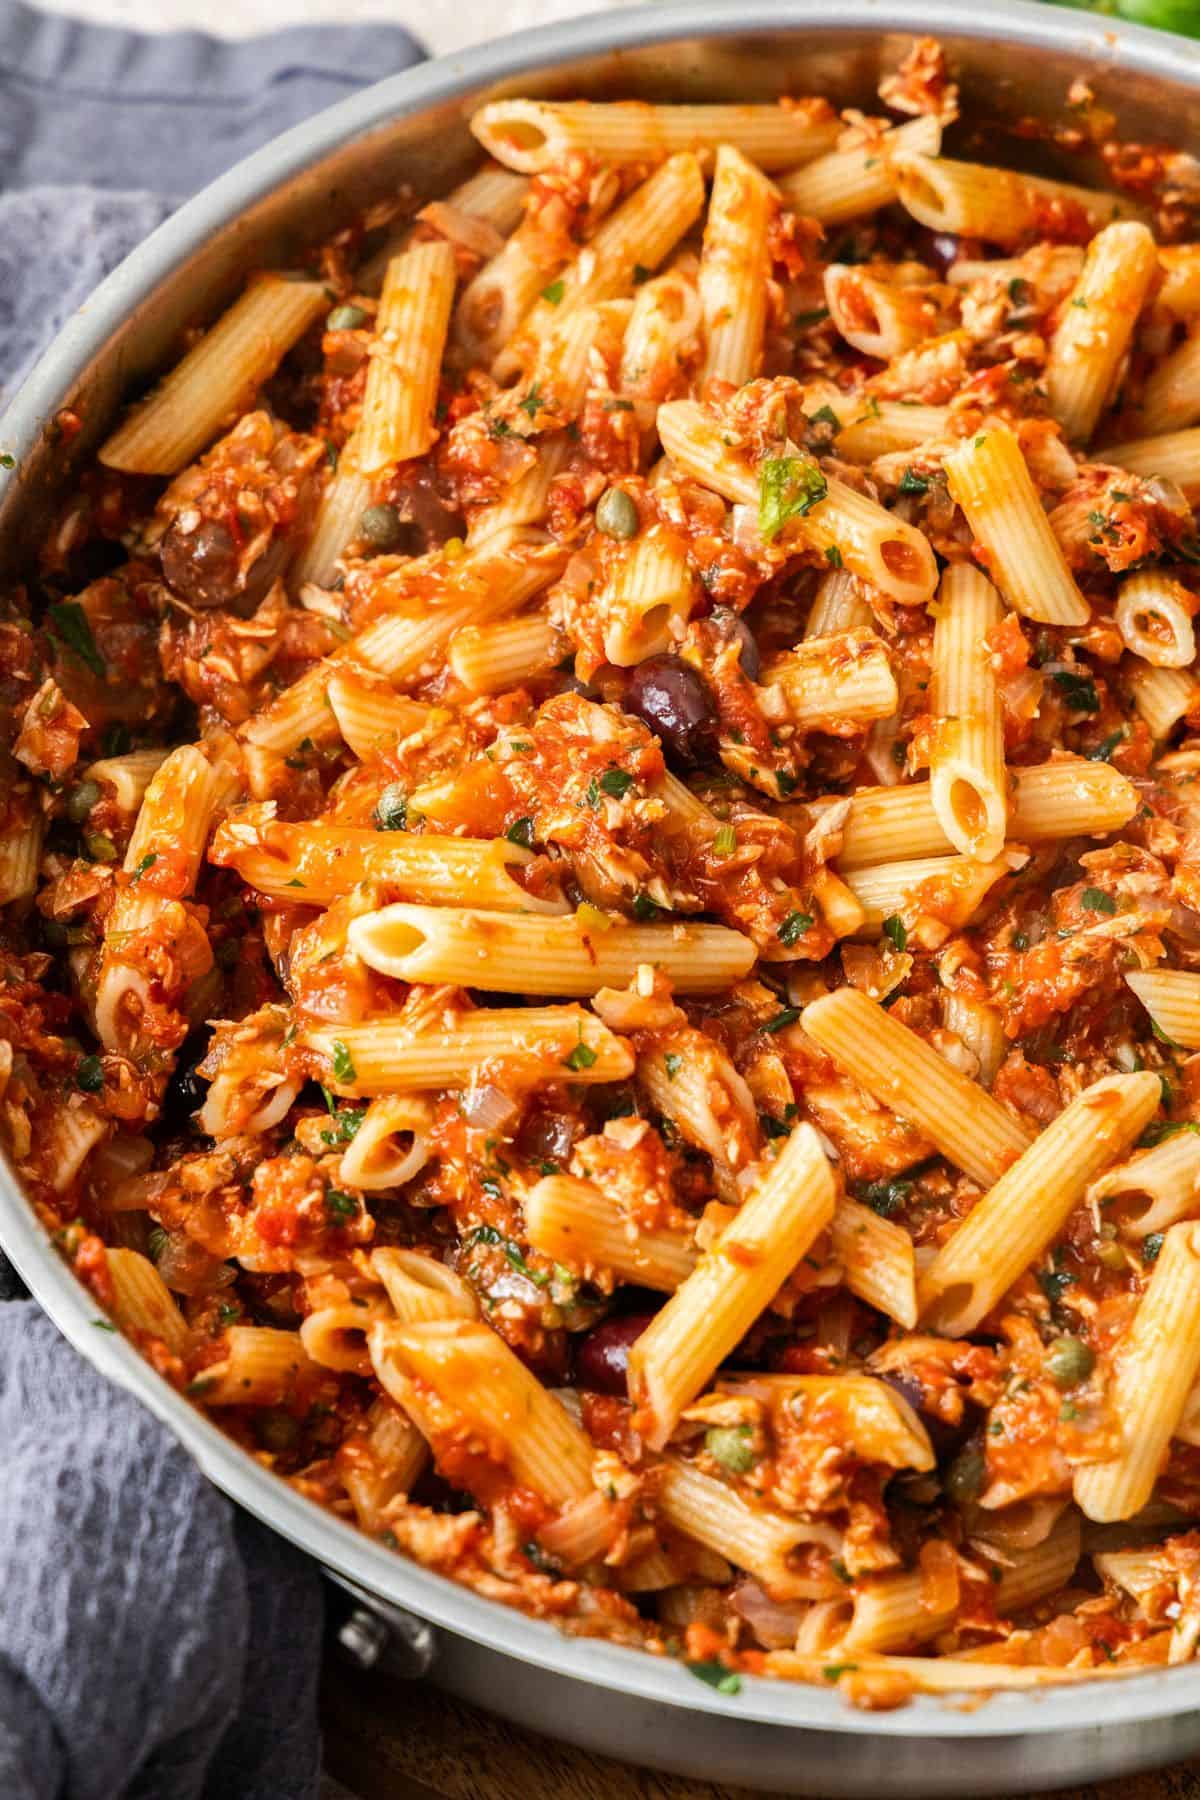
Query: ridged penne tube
x=344, y=499
x=313, y=864
x=494, y=578
x=129, y=776
x=491, y=659
x=690, y=1080
x=494, y=301
x=1040, y=1569
x=217, y=378
x=860, y=1413
x=406, y=357
x=1156, y=1365
x=749, y=1536
x=998, y=205
x=838, y=606
x=1027, y=1207
x=881, y=317
x=560, y=1043
x=1068, y=797
x=966, y=759
x=493, y=197
x=577, y=1224
x=950, y=889
x=661, y=339
x=648, y=597
x=72, y=1135
x=1162, y=696
x=390, y=1146
x=845, y=184
x=888, y=1613
x=421, y=1288
x=839, y=680
x=20, y=853
x=531, y=135
x=735, y=268
x=1155, y=1189
x=142, y=1301
x=945, y=1674
x=990, y=480
x=1173, y=456
x=871, y=543
x=639, y=234
x=1171, y=396
x=473, y=1371
x=1096, y=326
x=574, y=954
x=887, y=426
x=878, y=1261
x=732, y=1284
x=396, y=1456
x=371, y=717
x=1154, y=616
x=336, y=1336
x=1172, y=998
x=906, y=1074
x=979, y=1028
x=261, y=1367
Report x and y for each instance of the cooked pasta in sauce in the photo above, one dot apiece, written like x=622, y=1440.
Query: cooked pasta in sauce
x=602, y=889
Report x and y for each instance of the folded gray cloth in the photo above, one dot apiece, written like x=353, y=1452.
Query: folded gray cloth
x=154, y=1643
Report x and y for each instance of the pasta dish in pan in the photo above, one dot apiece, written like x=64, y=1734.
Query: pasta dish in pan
x=598, y=870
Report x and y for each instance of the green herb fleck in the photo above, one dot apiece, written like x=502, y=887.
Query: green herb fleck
x=70, y=627
x=782, y=1020
x=895, y=929
x=789, y=488
x=554, y=292
x=1096, y=900
x=716, y=1675
x=794, y=928
x=343, y=1062
x=89, y=1075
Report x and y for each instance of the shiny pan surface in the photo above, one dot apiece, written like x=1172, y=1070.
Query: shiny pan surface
x=1013, y=61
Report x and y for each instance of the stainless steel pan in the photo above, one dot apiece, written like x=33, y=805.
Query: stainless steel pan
x=1014, y=60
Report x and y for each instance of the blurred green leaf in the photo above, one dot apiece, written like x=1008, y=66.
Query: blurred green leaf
x=1182, y=16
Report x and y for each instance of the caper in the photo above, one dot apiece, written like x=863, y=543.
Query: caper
x=965, y=1477
x=617, y=514
x=731, y=1446
x=81, y=801
x=345, y=318
x=1069, y=1361
x=99, y=846
x=381, y=526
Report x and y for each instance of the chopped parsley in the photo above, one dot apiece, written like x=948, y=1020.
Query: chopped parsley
x=340, y=1205
x=1079, y=691
x=1096, y=900
x=391, y=809
x=554, y=292
x=521, y=832
x=1152, y=1243
x=896, y=930
x=581, y=1057
x=487, y=1234
x=912, y=483
x=672, y=1063
x=343, y=1062
x=716, y=1675
x=89, y=1075
x=1164, y=1128
x=825, y=415
x=345, y=1123
x=833, y=557
x=615, y=782
x=148, y=861
x=1103, y=752
x=644, y=907
x=887, y=1196
x=817, y=315
x=794, y=928
x=70, y=627
x=789, y=488
x=781, y=1020
x=532, y=401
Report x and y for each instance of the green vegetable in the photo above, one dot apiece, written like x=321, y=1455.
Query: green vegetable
x=788, y=1016
x=581, y=1057
x=617, y=514
x=726, y=1681
x=99, y=846
x=1164, y=1128
x=825, y=415
x=81, y=800
x=521, y=832
x=147, y=862
x=794, y=928
x=277, y=1430
x=1169, y=15
x=391, y=809
x=1069, y=1361
x=554, y=292
x=731, y=1446
x=343, y=1062
x=672, y=1063
x=69, y=626
x=912, y=483
x=894, y=928
x=345, y=318
x=615, y=782
x=644, y=907
x=833, y=557
x=1078, y=691
x=789, y=488
x=339, y=1205
x=487, y=1234
x=1152, y=1243
x=725, y=840
x=381, y=526
x=1096, y=900
x=89, y=1075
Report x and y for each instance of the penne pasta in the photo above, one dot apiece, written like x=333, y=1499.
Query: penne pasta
x=966, y=763
x=989, y=479
x=1096, y=326
x=532, y=135
x=1001, y=206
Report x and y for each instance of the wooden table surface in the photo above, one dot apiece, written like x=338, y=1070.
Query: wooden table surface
x=392, y=1740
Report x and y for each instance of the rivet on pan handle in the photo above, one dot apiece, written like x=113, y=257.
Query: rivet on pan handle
x=371, y=1634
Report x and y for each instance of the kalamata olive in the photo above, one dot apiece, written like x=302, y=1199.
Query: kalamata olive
x=602, y=1359
x=675, y=702
x=946, y=1439
x=547, y=1137
x=381, y=527
x=731, y=626
x=186, y=1091
x=939, y=248
x=201, y=565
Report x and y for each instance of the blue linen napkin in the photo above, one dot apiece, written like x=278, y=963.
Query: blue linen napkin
x=154, y=1643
